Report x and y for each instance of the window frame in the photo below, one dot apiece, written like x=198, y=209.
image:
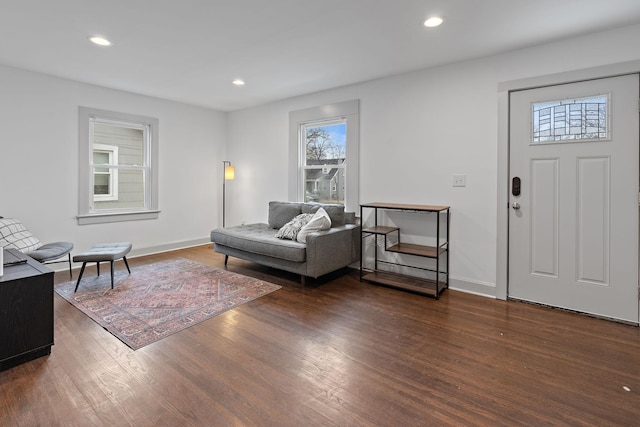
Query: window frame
x=112, y=151
x=349, y=111
x=86, y=213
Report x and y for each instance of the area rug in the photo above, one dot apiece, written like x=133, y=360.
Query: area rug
x=160, y=299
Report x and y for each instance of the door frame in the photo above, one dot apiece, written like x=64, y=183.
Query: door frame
x=504, y=90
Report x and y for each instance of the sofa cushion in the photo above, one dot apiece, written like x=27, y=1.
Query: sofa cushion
x=259, y=239
x=281, y=213
x=291, y=229
x=335, y=211
x=319, y=221
x=14, y=235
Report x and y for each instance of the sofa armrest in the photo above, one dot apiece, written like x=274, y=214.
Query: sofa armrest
x=332, y=249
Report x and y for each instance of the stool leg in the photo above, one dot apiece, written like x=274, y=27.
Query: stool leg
x=112, y=274
x=70, y=273
x=98, y=267
x=126, y=263
x=80, y=276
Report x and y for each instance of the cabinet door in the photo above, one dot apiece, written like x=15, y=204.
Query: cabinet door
x=26, y=315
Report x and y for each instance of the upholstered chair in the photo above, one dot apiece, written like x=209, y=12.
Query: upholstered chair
x=13, y=234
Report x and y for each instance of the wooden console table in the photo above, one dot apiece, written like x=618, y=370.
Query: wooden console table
x=26, y=313
x=380, y=270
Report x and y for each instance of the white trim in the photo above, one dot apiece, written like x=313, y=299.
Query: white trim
x=101, y=218
x=502, y=238
x=504, y=89
x=483, y=289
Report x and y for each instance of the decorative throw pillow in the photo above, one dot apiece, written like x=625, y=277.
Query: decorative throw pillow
x=14, y=235
x=282, y=212
x=335, y=211
x=290, y=230
x=320, y=221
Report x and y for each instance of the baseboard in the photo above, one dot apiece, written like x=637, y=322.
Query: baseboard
x=168, y=247
x=473, y=287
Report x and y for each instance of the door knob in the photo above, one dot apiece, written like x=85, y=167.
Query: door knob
x=515, y=205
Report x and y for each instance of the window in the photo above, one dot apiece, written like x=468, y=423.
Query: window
x=118, y=167
x=324, y=151
x=324, y=162
x=570, y=120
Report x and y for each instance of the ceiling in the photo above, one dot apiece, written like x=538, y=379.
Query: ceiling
x=191, y=50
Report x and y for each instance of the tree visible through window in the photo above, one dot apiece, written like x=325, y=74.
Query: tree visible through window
x=325, y=161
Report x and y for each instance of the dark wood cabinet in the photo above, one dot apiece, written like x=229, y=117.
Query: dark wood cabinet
x=26, y=313
x=404, y=274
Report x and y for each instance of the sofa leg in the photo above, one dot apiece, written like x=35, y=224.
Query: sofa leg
x=303, y=280
x=226, y=259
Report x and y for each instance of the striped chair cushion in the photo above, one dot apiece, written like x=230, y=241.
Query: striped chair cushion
x=13, y=234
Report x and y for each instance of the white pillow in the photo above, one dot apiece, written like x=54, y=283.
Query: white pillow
x=291, y=229
x=320, y=221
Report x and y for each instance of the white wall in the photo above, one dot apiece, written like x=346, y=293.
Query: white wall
x=416, y=130
x=39, y=163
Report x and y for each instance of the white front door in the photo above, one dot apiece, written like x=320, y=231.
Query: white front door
x=573, y=229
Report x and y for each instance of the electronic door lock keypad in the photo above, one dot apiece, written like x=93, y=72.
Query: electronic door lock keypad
x=515, y=186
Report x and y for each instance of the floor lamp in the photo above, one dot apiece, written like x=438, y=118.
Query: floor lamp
x=228, y=173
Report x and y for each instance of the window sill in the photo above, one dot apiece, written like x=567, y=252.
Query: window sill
x=101, y=218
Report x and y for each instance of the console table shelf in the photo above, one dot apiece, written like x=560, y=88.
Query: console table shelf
x=376, y=273
x=380, y=230
x=410, y=283
x=417, y=250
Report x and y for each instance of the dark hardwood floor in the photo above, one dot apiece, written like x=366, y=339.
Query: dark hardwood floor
x=338, y=352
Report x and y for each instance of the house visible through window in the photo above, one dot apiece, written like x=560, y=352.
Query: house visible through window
x=118, y=177
x=325, y=162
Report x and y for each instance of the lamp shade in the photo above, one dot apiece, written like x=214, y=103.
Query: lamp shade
x=229, y=172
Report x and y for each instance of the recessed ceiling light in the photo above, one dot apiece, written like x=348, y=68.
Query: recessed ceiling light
x=238, y=82
x=434, y=21
x=100, y=41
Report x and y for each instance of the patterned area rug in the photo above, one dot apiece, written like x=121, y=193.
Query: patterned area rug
x=160, y=299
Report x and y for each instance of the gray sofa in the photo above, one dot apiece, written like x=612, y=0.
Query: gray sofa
x=323, y=252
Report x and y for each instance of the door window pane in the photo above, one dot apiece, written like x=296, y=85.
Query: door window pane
x=571, y=120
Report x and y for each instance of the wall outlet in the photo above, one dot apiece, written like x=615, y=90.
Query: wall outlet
x=459, y=180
